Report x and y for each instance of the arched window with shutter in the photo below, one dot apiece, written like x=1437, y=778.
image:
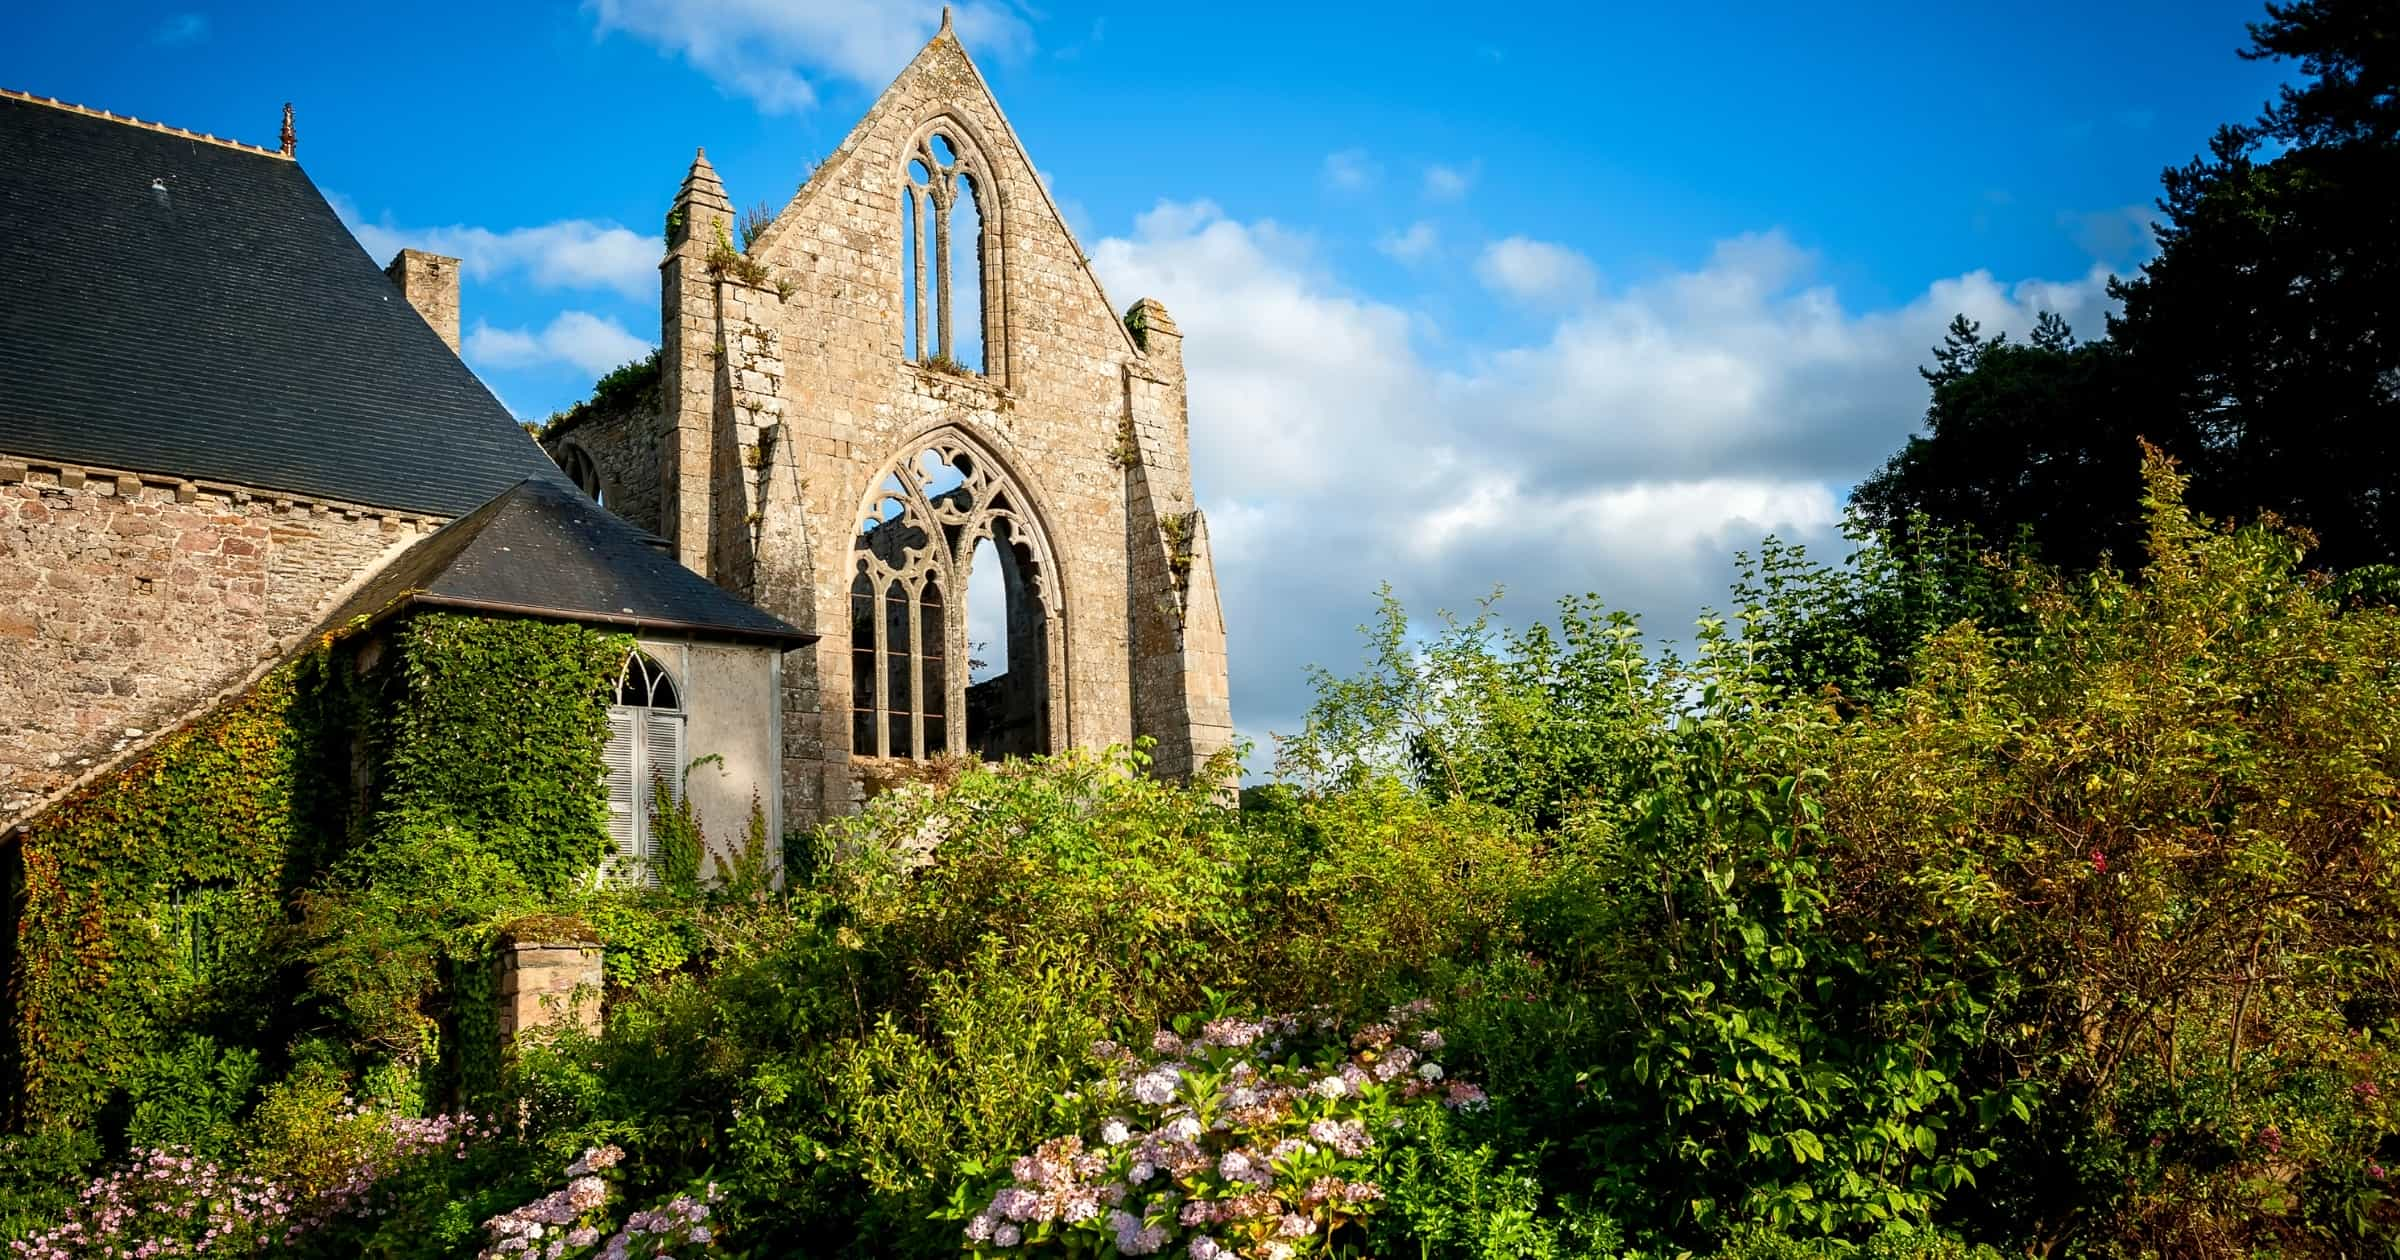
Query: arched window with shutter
x=645, y=748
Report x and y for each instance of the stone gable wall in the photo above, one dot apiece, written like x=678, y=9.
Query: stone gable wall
x=1052, y=411
x=133, y=601
x=794, y=387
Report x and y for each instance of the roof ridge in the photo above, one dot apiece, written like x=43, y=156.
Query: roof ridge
x=87, y=111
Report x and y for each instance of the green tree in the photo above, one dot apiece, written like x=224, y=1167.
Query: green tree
x=2258, y=347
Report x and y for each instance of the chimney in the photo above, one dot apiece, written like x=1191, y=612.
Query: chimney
x=430, y=283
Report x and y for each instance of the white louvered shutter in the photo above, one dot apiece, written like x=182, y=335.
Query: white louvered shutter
x=662, y=760
x=624, y=784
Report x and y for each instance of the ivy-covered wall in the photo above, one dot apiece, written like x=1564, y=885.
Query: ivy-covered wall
x=174, y=897
x=135, y=885
x=495, y=727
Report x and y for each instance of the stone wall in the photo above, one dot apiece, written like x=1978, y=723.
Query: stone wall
x=623, y=448
x=133, y=601
x=793, y=389
x=541, y=985
x=730, y=740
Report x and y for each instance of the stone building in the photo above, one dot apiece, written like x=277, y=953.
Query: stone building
x=223, y=429
x=908, y=366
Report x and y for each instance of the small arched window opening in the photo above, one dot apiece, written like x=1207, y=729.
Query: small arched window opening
x=942, y=271
x=580, y=469
x=645, y=755
x=922, y=676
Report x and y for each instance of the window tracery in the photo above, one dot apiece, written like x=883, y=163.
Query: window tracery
x=943, y=272
x=912, y=564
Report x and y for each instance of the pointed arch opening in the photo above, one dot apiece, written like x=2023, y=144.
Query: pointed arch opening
x=644, y=758
x=945, y=248
x=954, y=625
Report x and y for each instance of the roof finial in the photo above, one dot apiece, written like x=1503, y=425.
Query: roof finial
x=291, y=139
x=945, y=24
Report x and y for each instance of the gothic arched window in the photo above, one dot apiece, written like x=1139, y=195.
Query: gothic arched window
x=577, y=464
x=916, y=687
x=942, y=262
x=645, y=751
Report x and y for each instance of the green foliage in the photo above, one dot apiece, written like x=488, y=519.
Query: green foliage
x=494, y=728
x=1852, y=630
x=185, y=916
x=970, y=1078
x=2258, y=344
x=115, y=950
x=1453, y=1198
x=189, y=1095
x=1537, y=723
x=2166, y=812
x=376, y=938
x=40, y=1173
x=1940, y=907
x=676, y=829
x=627, y=389
x=2035, y=443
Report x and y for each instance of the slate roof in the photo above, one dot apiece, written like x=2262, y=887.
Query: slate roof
x=180, y=306
x=542, y=549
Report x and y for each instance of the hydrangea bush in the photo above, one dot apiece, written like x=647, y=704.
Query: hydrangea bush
x=170, y=1202
x=166, y=1203
x=574, y=1221
x=1252, y=1140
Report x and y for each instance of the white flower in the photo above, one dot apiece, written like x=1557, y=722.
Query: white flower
x=1185, y=1127
x=1006, y=1236
x=1156, y=1086
x=980, y=1229
x=1296, y=1226
x=1430, y=1070
x=1429, y=1041
x=1204, y=1247
x=1114, y=1133
x=1331, y=1087
x=1140, y=1172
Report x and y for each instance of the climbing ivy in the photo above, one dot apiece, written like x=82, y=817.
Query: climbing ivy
x=326, y=851
x=150, y=894
x=494, y=727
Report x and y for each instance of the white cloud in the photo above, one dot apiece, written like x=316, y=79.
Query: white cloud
x=180, y=28
x=767, y=50
x=2127, y=233
x=567, y=254
x=1349, y=170
x=1449, y=183
x=592, y=343
x=1536, y=272
x=1412, y=245
x=1628, y=451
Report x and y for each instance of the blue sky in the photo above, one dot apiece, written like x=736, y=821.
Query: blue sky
x=1563, y=298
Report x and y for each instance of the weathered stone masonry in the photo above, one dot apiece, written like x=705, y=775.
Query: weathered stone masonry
x=131, y=600
x=789, y=394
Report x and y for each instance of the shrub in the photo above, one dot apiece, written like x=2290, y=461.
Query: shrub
x=1252, y=1138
